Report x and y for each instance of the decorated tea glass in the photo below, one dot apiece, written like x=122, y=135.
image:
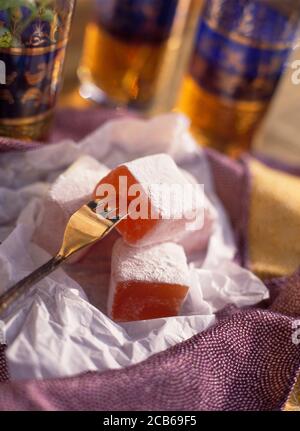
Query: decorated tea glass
x=33, y=39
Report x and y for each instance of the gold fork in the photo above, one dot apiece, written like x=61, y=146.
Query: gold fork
x=87, y=226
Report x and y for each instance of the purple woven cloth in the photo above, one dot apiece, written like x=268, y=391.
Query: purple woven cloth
x=3, y=366
x=247, y=361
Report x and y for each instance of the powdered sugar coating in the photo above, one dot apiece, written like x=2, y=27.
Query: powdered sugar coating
x=69, y=192
x=161, y=170
x=161, y=263
x=75, y=186
x=178, y=209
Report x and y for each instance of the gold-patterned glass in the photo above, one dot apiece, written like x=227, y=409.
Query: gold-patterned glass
x=33, y=39
x=241, y=49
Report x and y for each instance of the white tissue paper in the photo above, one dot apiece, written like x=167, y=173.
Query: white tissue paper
x=60, y=328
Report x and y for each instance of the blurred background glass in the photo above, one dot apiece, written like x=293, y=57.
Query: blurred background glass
x=240, y=53
x=134, y=50
x=33, y=39
x=277, y=136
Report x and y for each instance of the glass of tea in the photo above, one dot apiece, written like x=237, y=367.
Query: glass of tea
x=127, y=46
x=33, y=39
x=240, y=53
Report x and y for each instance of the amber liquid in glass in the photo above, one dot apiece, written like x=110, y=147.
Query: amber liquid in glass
x=32, y=51
x=224, y=125
x=128, y=47
x=126, y=71
x=240, y=52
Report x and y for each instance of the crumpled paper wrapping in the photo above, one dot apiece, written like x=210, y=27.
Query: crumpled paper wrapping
x=60, y=328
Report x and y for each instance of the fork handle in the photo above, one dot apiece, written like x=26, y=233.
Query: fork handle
x=24, y=285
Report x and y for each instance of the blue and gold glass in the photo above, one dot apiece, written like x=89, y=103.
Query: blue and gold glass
x=33, y=39
x=125, y=45
x=241, y=49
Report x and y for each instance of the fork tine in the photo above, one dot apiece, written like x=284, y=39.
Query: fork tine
x=110, y=211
